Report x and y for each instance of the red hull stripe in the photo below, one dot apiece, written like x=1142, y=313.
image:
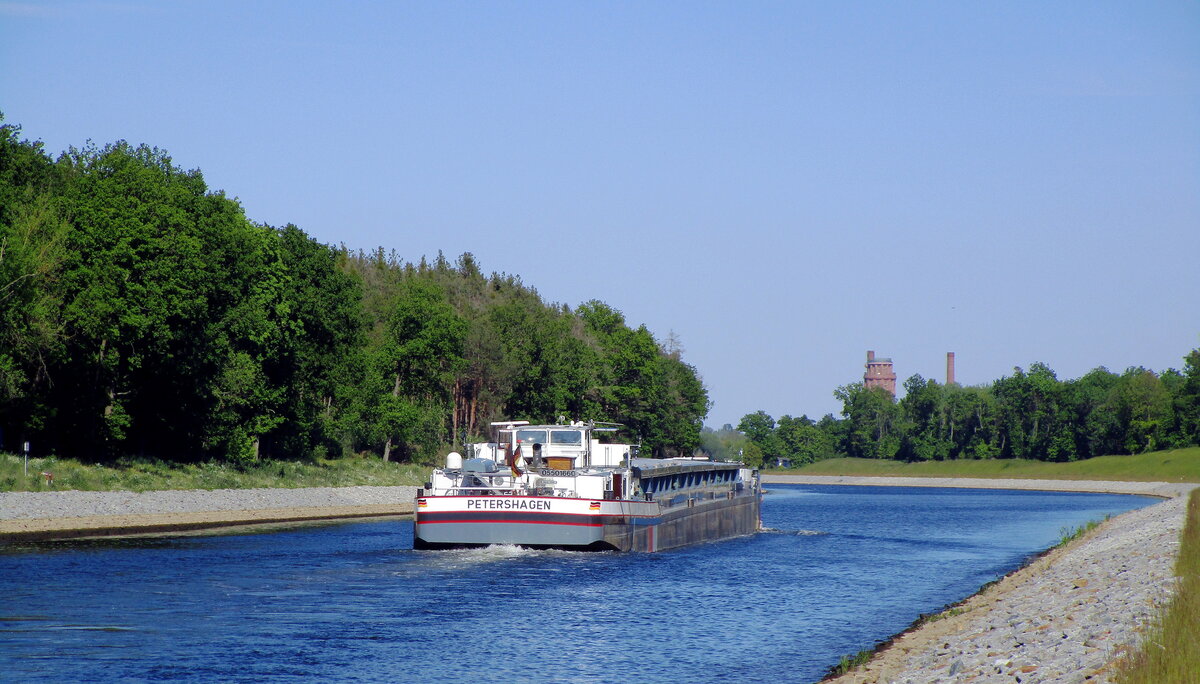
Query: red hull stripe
x=518, y=522
x=505, y=496
x=512, y=516
x=543, y=519
x=531, y=516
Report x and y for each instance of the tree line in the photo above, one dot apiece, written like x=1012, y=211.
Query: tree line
x=143, y=314
x=1028, y=414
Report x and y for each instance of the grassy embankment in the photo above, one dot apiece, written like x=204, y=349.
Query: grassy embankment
x=1176, y=465
x=1171, y=649
x=142, y=475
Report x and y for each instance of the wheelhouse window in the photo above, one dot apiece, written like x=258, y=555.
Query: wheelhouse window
x=531, y=436
x=571, y=437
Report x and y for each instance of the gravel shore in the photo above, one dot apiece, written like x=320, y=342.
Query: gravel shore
x=1065, y=618
x=70, y=514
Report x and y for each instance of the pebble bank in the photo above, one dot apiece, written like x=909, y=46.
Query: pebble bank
x=71, y=504
x=71, y=514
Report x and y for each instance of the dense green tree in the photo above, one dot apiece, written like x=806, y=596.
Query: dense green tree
x=1186, y=401
x=552, y=371
x=421, y=356
x=1096, y=429
x=872, y=422
x=26, y=172
x=142, y=313
x=157, y=273
x=926, y=427
x=525, y=359
x=682, y=406
x=803, y=441
x=321, y=304
x=752, y=455
x=32, y=236
x=657, y=396
x=182, y=330
x=1035, y=419
x=237, y=349
x=798, y=440
x=1142, y=410
x=974, y=416
x=759, y=428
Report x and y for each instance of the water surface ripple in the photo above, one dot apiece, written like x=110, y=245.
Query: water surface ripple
x=839, y=569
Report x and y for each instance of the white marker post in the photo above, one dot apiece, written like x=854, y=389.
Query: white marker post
x=26, y=447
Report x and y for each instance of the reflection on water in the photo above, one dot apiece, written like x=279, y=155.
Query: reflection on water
x=839, y=569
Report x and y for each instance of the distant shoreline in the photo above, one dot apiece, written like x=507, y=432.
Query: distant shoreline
x=39, y=516
x=1165, y=490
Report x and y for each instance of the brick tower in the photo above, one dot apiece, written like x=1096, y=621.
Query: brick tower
x=879, y=374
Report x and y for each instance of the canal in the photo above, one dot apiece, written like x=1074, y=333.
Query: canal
x=838, y=569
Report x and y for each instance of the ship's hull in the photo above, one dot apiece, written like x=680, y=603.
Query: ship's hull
x=444, y=522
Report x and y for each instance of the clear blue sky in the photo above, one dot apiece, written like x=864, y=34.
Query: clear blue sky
x=784, y=185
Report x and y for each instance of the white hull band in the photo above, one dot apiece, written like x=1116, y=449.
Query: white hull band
x=654, y=528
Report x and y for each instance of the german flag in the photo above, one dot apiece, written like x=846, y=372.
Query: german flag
x=514, y=462
x=594, y=506
x=422, y=503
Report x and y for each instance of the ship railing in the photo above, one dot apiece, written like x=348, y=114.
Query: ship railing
x=519, y=490
x=691, y=497
x=493, y=488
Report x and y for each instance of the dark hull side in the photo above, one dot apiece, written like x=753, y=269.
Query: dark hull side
x=684, y=524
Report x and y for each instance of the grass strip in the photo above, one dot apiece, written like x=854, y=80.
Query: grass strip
x=139, y=475
x=1069, y=534
x=850, y=662
x=1170, y=651
x=1175, y=465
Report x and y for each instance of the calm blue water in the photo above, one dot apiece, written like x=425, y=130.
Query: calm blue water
x=842, y=568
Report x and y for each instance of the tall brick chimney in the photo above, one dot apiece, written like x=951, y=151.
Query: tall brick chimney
x=949, y=368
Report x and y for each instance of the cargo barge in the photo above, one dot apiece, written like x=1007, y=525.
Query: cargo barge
x=559, y=486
